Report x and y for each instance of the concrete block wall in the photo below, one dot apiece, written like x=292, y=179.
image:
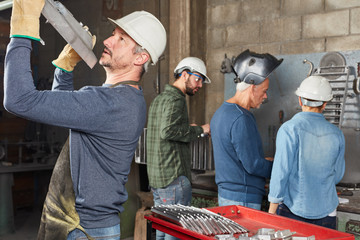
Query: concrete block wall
x=276, y=27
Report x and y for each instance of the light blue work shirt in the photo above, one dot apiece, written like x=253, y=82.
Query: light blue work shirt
x=309, y=162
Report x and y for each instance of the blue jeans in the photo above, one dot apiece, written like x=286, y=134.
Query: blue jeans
x=328, y=222
x=177, y=192
x=226, y=202
x=109, y=233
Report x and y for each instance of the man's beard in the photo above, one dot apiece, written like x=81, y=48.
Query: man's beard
x=105, y=64
x=188, y=90
x=108, y=63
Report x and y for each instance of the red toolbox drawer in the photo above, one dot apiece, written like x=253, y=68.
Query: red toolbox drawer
x=252, y=220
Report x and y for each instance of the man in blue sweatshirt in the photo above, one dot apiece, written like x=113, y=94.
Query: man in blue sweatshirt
x=240, y=165
x=105, y=122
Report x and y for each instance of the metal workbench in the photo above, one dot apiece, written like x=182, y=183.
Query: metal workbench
x=348, y=214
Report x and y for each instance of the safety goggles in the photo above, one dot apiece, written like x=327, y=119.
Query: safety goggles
x=198, y=77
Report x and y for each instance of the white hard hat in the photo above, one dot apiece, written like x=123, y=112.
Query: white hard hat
x=146, y=30
x=193, y=64
x=315, y=88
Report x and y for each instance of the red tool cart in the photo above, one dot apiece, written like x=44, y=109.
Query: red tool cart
x=252, y=220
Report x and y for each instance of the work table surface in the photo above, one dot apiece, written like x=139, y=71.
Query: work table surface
x=353, y=206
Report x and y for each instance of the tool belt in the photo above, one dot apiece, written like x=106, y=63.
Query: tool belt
x=59, y=216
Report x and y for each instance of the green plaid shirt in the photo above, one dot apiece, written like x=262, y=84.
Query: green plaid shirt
x=168, y=139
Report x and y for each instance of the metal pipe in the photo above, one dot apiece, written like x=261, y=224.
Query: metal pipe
x=206, y=149
x=311, y=67
x=344, y=97
x=200, y=151
x=6, y=4
x=356, y=86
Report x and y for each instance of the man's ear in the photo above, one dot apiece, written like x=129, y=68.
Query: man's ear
x=323, y=106
x=252, y=88
x=300, y=103
x=183, y=75
x=141, y=58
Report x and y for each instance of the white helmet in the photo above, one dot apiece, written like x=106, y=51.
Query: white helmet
x=193, y=64
x=146, y=30
x=315, y=88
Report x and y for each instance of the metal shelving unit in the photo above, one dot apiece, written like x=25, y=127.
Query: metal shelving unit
x=338, y=76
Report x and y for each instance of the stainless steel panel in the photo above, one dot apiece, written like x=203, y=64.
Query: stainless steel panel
x=201, y=152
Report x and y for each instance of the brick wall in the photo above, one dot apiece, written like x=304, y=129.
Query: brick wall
x=277, y=27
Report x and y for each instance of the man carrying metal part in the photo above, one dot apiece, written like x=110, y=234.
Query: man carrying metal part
x=240, y=166
x=169, y=135
x=309, y=160
x=87, y=188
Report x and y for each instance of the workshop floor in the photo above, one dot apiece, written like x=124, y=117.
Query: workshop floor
x=26, y=225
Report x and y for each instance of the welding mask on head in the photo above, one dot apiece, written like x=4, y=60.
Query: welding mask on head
x=193, y=64
x=314, y=91
x=146, y=30
x=254, y=68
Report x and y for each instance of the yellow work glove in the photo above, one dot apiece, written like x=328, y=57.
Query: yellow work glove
x=25, y=18
x=68, y=58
